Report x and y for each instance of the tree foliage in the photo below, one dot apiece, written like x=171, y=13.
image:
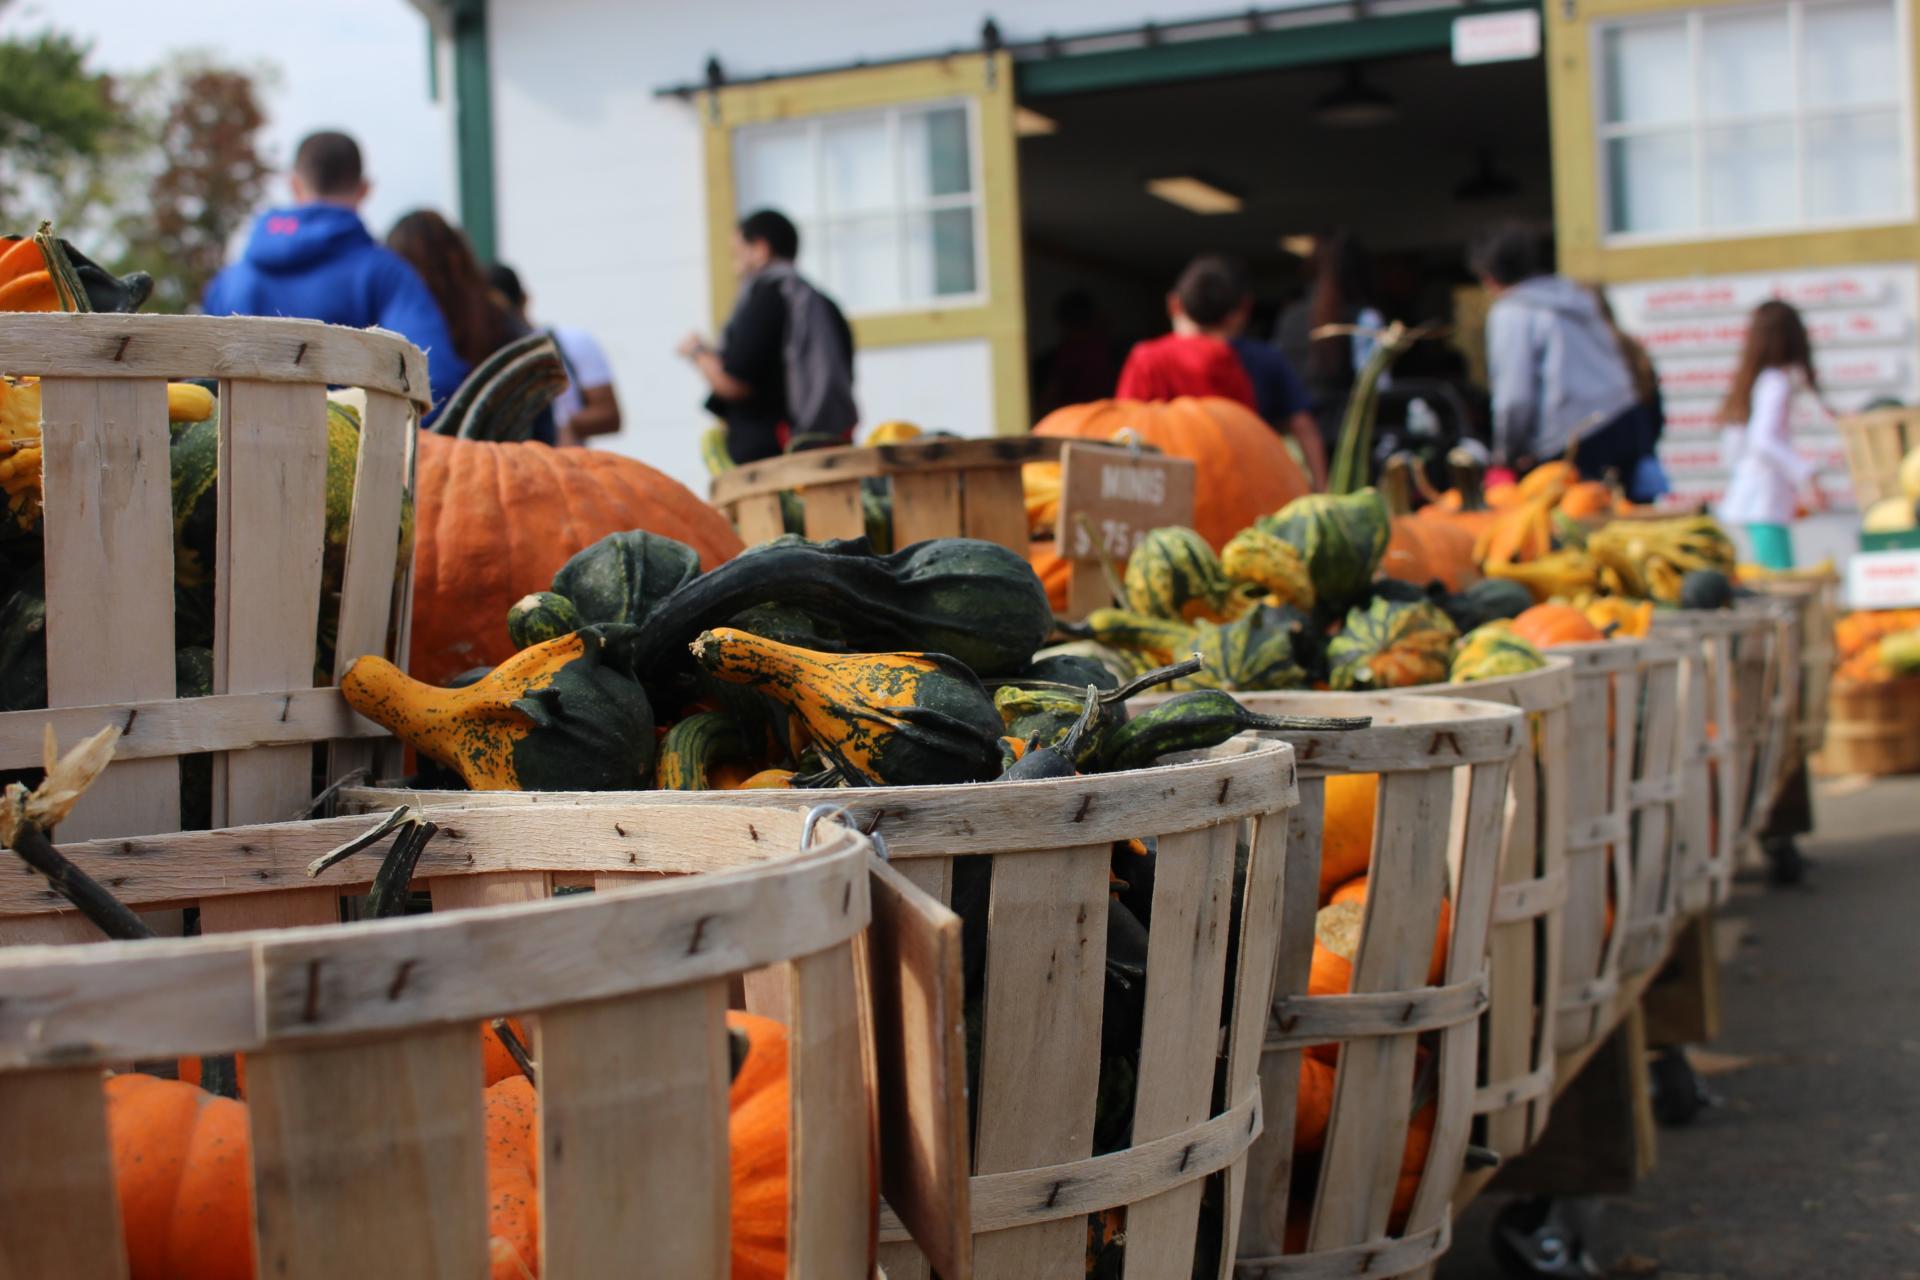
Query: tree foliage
x=153, y=172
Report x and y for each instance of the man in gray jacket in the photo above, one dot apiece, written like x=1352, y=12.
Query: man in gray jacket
x=1556, y=371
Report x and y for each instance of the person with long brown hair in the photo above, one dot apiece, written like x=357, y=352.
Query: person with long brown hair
x=1767, y=476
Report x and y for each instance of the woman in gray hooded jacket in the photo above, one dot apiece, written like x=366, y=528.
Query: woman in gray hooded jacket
x=1556, y=372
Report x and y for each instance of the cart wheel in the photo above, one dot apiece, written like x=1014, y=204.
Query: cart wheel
x=1544, y=1237
x=1679, y=1095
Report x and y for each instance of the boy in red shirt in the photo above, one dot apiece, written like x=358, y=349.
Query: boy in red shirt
x=1209, y=307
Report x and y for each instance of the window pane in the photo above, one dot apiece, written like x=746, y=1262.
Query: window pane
x=940, y=256
x=1855, y=167
x=863, y=263
x=1650, y=183
x=1750, y=181
x=1850, y=54
x=1745, y=65
x=935, y=153
x=773, y=168
x=859, y=160
x=1648, y=76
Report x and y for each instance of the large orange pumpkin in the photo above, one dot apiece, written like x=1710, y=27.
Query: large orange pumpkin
x=185, y=1178
x=497, y=520
x=1242, y=469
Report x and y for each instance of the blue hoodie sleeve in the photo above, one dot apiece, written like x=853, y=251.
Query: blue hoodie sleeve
x=404, y=305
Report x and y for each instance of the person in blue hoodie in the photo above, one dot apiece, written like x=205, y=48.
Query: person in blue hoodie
x=316, y=261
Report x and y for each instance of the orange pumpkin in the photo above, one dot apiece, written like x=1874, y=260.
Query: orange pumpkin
x=1242, y=469
x=1346, y=839
x=1355, y=891
x=497, y=520
x=1413, y=1162
x=1547, y=625
x=1588, y=500
x=182, y=1166
x=1313, y=1104
x=1421, y=548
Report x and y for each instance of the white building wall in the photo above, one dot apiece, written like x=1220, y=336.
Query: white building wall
x=600, y=185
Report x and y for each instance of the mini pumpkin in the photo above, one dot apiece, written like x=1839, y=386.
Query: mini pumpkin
x=1548, y=625
x=1391, y=644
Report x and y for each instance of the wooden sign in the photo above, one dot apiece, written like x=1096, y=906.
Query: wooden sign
x=920, y=1039
x=1110, y=498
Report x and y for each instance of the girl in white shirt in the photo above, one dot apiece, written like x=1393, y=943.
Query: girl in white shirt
x=1768, y=478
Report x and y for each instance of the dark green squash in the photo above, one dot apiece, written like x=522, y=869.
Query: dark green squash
x=1705, y=589
x=624, y=576
x=1485, y=601
x=23, y=651
x=1196, y=721
x=1072, y=669
x=972, y=600
x=1043, y=715
x=694, y=746
x=892, y=719
x=541, y=615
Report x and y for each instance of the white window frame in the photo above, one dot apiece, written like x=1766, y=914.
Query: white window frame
x=1696, y=126
x=813, y=228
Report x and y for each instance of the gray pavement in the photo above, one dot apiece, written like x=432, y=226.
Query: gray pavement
x=1811, y=1167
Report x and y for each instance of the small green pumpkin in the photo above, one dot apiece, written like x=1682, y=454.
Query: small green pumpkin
x=1271, y=563
x=1706, y=589
x=624, y=575
x=541, y=615
x=1341, y=538
x=1391, y=644
x=1174, y=574
x=1252, y=652
x=1491, y=651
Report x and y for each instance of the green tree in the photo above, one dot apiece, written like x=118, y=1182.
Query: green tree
x=56, y=117
x=203, y=128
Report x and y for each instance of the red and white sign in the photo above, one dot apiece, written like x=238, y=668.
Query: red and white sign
x=1496, y=37
x=1735, y=295
x=1881, y=325
x=1883, y=580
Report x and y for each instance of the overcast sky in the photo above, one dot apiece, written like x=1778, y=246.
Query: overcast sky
x=358, y=65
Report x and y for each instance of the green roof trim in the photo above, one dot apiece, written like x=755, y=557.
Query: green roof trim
x=473, y=127
x=1343, y=40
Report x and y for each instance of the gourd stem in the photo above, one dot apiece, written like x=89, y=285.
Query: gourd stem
x=388, y=897
x=1307, y=724
x=515, y=1047
x=66, y=281
x=1069, y=746
x=1161, y=675
x=112, y=916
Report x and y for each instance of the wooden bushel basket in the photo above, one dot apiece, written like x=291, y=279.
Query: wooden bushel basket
x=1654, y=796
x=1709, y=818
x=1875, y=444
x=363, y=1057
x=1035, y=1177
x=1765, y=686
x=1601, y=732
x=1443, y=765
x=109, y=554
x=1517, y=1034
x=941, y=489
x=1876, y=728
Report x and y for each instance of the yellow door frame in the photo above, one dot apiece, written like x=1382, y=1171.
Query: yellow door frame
x=1579, y=221
x=987, y=79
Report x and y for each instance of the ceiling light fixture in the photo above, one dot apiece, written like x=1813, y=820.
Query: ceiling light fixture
x=1195, y=195
x=1028, y=123
x=1298, y=246
x=1486, y=183
x=1355, y=103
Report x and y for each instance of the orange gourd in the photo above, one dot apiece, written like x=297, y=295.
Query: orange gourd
x=1346, y=840
x=1421, y=548
x=1547, y=625
x=1355, y=891
x=1242, y=468
x=34, y=291
x=497, y=520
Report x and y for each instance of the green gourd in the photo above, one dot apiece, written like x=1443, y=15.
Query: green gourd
x=1391, y=644
x=1198, y=720
x=623, y=576
x=1173, y=573
x=541, y=615
x=1341, y=538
